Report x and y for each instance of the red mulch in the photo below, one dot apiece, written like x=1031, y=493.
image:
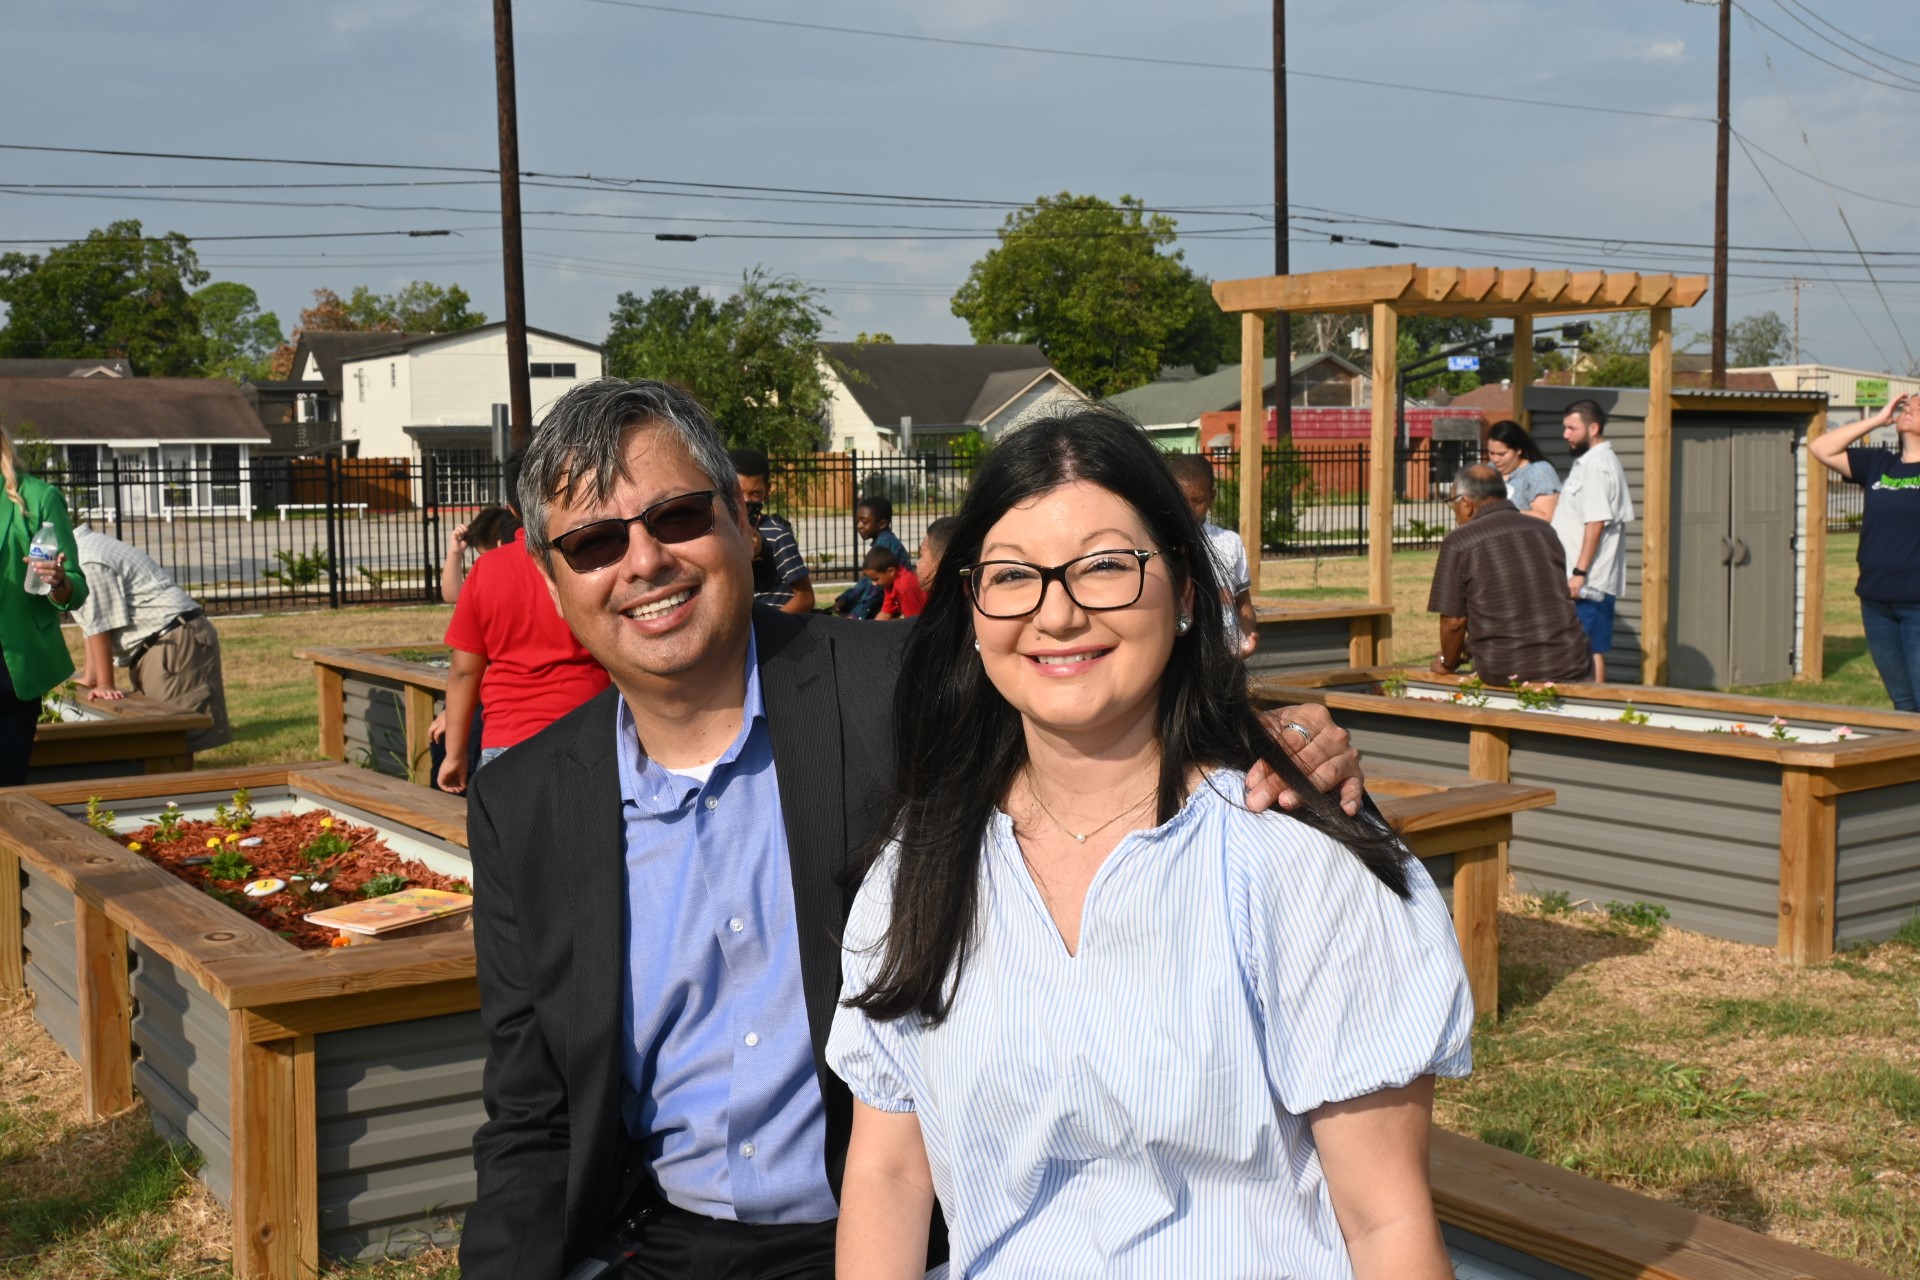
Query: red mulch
x=282, y=837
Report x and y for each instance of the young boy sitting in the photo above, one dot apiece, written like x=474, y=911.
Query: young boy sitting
x=872, y=518
x=1195, y=475
x=901, y=593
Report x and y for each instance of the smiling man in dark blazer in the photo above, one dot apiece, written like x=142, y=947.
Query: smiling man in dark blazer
x=660, y=877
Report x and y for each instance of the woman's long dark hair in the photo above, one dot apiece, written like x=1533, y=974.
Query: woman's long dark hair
x=1515, y=437
x=959, y=744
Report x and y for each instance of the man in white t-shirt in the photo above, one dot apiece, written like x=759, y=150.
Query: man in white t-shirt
x=1229, y=553
x=1591, y=520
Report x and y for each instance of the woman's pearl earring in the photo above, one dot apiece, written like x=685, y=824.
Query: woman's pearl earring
x=976, y=646
x=1181, y=627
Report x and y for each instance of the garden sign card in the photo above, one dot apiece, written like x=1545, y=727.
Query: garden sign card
x=395, y=910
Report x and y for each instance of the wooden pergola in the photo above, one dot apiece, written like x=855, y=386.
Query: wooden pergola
x=1516, y=294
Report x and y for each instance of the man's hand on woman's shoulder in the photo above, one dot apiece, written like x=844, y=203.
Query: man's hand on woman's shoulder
x=1322, y=750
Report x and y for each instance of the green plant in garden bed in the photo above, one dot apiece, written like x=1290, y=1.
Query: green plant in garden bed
x=168, y=823
x=1630, y=716
x=328, y=844
x=1536, y=697
x=99, y=819
x=1394, y=686
x=382, y=885
x=51, y=701
x=229, y=864
x=1472, y=692
x=423, y=656
x=239, y=815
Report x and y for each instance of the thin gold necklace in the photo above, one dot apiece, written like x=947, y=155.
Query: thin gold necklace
x=1077, y=837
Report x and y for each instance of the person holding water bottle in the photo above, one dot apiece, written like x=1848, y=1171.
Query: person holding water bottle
x=40, y=580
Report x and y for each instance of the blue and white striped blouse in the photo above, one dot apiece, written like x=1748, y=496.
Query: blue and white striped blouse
x=1138, y=1109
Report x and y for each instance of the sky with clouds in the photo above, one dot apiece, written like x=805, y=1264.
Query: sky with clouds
x=622, y=92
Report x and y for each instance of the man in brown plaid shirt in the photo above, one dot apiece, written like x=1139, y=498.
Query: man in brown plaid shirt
x=1500, y=588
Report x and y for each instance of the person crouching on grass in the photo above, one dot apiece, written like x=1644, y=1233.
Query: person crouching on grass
x=901, y=595
x=1126, y=1026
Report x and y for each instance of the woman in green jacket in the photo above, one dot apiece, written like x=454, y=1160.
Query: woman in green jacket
x=33, y=656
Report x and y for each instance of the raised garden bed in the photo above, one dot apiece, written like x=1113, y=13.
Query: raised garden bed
x=377, y=703
x=274, y=867
x=1746, y=818
x=135, y=734
x=332, y=1093
x=1312, y=636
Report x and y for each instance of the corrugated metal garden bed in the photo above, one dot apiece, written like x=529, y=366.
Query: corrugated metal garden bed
x=1751, y=819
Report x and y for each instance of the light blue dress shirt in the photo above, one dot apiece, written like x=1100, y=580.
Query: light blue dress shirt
x=1530, y=481
x=718, y=1061
x=1138, y=1109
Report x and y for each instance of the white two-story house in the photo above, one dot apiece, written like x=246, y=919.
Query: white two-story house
x=407, y=395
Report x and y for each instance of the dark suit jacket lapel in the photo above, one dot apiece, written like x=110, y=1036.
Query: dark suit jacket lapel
x=801, y=695
x=588, y=861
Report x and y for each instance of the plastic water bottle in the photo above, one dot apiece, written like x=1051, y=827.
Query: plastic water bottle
x=45, y=546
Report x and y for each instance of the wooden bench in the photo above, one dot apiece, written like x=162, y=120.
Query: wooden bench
x=358, y=508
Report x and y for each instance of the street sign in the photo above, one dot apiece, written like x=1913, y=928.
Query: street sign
x=1870, y=391
x=1463, y=364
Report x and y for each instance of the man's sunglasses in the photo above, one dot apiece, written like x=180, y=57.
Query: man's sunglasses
x=601, y=543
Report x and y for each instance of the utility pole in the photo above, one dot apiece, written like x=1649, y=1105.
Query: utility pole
x=1282, y=322
x=1796, y=319
x=519, y=390
x=1719, y=376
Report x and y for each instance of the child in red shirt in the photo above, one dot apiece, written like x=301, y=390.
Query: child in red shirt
x=904, y=596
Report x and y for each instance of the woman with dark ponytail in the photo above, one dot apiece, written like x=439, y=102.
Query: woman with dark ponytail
x=1117, y=1022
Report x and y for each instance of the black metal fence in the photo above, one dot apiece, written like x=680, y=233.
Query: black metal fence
x=1846, y=504
x=1314, y=495
x=287, y=533
x=277, y=533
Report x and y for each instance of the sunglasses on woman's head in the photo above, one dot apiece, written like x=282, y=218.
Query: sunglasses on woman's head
x=603, y=542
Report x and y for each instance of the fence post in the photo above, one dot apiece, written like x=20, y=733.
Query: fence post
x=429, y=525
x=116, y=500
x=332, y=472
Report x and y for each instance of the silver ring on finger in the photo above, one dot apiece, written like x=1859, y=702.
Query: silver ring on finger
x=1306, y=734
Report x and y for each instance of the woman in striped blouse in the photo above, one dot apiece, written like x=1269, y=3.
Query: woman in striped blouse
x=1116, y=1023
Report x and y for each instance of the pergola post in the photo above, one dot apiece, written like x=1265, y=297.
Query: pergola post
x=1386, y=348
x=1253, y=433
x=1813, y=635
x=1657, y=535
x=1522, y=368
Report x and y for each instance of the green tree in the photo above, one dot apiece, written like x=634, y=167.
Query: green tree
x=1210, y=337
x=119, y=292
x=240, y=338
x=753, y=359
x=420, y=307
x=1089, y=284
x=1758, y=339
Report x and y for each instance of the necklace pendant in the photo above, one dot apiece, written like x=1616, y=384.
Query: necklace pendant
x=1078, y=839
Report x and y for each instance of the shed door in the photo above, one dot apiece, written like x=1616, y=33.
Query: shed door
x=1762, y=525
x=1698, y=653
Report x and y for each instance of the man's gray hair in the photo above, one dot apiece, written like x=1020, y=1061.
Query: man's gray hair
x=581, y=448
x=1479, y=482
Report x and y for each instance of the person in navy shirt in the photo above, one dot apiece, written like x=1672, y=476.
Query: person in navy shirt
x=1889, y=557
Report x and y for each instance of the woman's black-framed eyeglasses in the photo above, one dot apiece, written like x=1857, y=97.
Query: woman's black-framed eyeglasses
x=1097, y=581
x=602, y=542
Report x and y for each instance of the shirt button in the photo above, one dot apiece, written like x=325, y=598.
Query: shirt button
x=736, y=924
x=713, y=802
x=753, y=1038
x=747, y=1149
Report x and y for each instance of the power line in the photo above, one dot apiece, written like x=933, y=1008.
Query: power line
x=1856, y=39
x=1864, y=195
x=1825, y=269
x=1786, y=39
x=1139, y=58
x=1838, y=208
x=1819, y=35
x=278, y=235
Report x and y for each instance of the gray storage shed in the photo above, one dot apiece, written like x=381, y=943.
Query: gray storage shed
x=1743, y=590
